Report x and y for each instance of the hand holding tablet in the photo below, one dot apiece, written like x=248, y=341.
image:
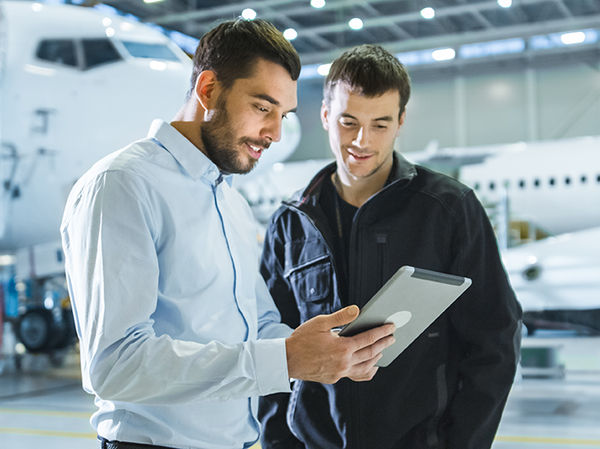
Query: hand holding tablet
x=411, y=299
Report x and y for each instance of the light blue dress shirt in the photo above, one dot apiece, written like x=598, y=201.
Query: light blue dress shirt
x=179, y=334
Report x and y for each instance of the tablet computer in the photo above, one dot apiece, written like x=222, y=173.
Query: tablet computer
x=411, y=299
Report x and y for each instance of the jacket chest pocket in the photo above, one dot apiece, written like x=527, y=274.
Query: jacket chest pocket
x=311, y=284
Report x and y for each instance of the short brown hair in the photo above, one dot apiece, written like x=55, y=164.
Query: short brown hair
x=370, y=69
x=231, y=49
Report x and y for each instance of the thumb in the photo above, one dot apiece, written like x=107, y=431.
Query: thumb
x=341, y=317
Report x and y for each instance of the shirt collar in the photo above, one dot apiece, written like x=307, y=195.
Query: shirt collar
x=195, y=163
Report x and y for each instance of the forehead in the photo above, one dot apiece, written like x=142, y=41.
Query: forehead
x=344, y=99
x=268, y=79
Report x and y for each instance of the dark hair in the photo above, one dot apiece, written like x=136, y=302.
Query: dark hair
x=231, y=49
x=370, y=69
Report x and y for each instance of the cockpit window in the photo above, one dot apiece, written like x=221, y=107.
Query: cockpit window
x=151, y=51
x=99, y=51
x=59, y=51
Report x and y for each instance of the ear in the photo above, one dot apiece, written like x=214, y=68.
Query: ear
x=401, y=122
x=206, y=90
x=324, y=116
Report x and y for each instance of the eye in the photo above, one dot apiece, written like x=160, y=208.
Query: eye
x=261, y=108
x=347, y=124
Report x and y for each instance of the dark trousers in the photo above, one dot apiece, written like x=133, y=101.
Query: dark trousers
x=106, y=444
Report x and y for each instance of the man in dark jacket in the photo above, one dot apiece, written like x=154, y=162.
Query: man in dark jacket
x=336, y=243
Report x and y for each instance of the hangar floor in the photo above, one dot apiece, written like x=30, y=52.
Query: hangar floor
x=43, y=407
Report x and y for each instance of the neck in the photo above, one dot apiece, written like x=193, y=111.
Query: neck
x=357, y=190
x=187, y=122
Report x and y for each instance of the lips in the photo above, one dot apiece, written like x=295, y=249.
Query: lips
x=358, y=156
x=255, y=150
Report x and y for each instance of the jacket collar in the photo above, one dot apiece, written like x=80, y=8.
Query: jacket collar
x=193, y=161
x=402, y=173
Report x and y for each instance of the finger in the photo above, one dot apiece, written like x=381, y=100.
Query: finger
x=369, y=337
x=366, y=370
x=339, y=318
x=373, y=350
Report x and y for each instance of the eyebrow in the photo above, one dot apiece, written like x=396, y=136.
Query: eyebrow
x=386, y=118
x=271, y=100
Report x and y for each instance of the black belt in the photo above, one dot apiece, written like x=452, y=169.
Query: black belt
x=106, y=444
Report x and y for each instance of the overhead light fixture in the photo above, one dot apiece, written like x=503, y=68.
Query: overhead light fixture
x=249, y=14
x=428, y=13
x=505, y=3
x=355, y=23
x=576, y=37
x=290, y=34
x=110, y=32
x=37, y=7
x=317, y=3
x=106, y=21
x=443, y=54
x=152, y=1
x=323, y=69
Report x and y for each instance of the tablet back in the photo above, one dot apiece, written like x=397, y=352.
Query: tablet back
x=411, y=299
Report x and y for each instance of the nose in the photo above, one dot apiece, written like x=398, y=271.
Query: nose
x=272, y=129
x=361, y=138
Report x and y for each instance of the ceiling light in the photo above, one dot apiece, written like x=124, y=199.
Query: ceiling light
x=323, y=69
x=152, y=1
x=110, y=32
x=317, y=3
x=106, y=21
x=37, y=7
x=249, y=14
x=428, y=13
x=576, y=37
x=355, y=23
x=505, y=3
x=290, y=34
x=443, y=54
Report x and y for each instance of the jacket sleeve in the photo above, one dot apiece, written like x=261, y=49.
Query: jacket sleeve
x=487, y=320
x=272, y=410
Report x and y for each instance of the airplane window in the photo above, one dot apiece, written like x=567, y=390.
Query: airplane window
x=522, y=183
x=536, y=182
x=492, y=185
x=99, y=51
x=598, y=178
x=551, y=181
x=567, y=180
x=60, y=51
x=583, y=179
x=477, y=186
x=151, y=51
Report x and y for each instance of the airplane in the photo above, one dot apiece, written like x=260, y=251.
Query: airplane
x=543, y=188
x=75, y=84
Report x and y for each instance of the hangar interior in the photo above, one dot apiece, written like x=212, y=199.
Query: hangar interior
x=505, y=96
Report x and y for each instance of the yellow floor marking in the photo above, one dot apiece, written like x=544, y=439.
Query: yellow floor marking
x=45, y=412
x=545, y=440
x=51, y=433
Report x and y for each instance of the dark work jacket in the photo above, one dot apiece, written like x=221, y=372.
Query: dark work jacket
x=447, y=390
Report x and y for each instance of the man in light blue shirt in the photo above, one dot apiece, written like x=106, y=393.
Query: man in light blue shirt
x=178, y=332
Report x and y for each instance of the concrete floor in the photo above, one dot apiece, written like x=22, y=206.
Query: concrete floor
x=44, y=407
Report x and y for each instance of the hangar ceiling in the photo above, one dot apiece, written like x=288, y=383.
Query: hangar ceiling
x=322, y=33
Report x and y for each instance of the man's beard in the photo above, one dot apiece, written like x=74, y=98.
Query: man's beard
x=219, y=142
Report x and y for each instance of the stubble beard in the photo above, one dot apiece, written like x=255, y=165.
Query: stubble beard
x=218, y=141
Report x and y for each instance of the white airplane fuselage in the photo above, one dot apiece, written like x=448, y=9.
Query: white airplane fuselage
x=62, y=110
x=554, y=185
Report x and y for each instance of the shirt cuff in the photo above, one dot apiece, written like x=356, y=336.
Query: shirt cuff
x=270, y=360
